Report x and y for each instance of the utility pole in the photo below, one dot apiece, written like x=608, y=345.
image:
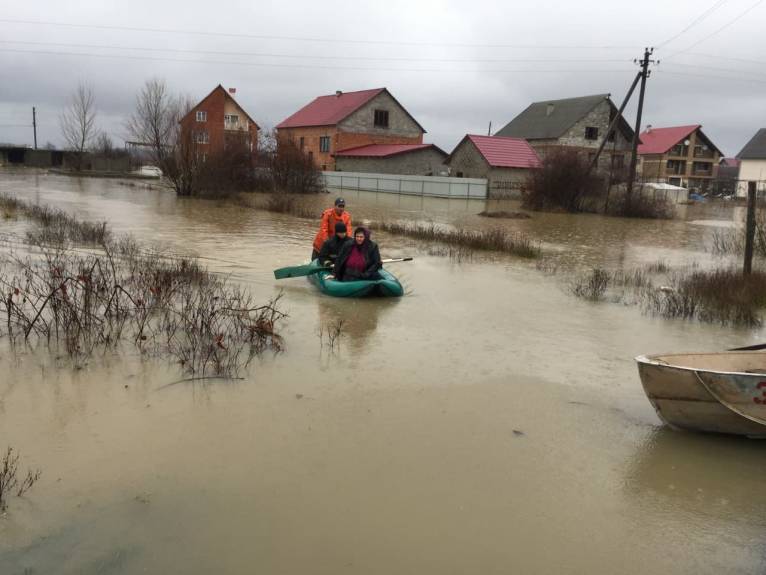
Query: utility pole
x=645, y=61
x=34, y=124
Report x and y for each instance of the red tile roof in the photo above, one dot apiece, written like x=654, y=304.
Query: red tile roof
x=660, y=140
x=384, y=150
x=329, y=110
x=503, y=152
x=730, y=162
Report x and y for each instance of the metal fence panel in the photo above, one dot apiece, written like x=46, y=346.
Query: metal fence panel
x=430, y=186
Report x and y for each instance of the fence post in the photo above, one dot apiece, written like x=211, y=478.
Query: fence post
x=747, y=267
x=422, y=188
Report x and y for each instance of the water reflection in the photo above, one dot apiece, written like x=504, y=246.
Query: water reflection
x=692, y=473
x=359, y=316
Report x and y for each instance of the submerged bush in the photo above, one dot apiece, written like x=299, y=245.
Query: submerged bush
x=563, y=182
x=641, y=205
x=593, y=285
x=496, y=239
x=9, y=478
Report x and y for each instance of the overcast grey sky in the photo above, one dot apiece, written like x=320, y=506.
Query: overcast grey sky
x=454, y=65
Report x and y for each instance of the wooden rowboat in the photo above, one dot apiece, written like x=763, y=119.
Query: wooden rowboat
x=711, y=392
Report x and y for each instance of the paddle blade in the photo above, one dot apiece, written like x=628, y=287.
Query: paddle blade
x=297, y=271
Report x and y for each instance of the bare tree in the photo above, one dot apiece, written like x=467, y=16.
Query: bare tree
x=103, y=145
x=156, y=123
x=78, y=121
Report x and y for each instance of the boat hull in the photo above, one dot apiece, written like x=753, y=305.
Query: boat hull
x=387, y=286
x=695, y=392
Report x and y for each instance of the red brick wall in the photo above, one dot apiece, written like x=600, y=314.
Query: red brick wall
x=338, y=141
x=214, y=106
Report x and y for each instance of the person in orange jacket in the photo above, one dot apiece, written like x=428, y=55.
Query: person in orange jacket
x=330, y=217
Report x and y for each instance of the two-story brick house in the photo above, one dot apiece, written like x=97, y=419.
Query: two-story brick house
x=217, y=121
x=345, y=120
x=578, y=123
x=679, y=155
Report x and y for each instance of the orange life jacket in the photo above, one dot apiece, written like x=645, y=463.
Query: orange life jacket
x=327, y=227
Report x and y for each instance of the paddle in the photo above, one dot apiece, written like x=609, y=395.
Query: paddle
x=308, y=269
x=755, y=347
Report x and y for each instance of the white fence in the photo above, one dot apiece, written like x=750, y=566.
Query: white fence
x=427, y=186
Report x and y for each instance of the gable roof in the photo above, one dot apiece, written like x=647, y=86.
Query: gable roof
x=332, y=109
x=385, y=150
x=729, y=163
x=229, y=96
x=550, y=119
x=500, y=152
x=660, y=140
x=755, y=149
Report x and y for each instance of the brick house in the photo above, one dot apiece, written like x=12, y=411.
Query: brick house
x=217, y=121
x=504, y=162
x=577, y=123
x=406, y=159
x=337, y=122
x=679, y=155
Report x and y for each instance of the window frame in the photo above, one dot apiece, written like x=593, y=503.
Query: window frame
x=201, y=116
x=591, y=131
x=380, y=119
x=324, y=144
x=201, y=137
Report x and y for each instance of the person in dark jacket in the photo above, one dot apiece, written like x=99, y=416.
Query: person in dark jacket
x=358, y=260
x=332, y=247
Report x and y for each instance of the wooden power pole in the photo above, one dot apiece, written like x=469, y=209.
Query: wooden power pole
x=644, y=62
x=34, y=124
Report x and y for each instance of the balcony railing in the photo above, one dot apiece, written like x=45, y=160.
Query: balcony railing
x=234, y=125
x=703, y=153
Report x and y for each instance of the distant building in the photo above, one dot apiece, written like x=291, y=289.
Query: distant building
x=752, y=163
x=577, y=123
x=406, y=159
x=344, y=120
x=504, y=162
x=679, y=155
x=728, y=176
x=218, y=121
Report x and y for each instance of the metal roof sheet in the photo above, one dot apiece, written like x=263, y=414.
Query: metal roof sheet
x=660, y=140
x=503, y=152
x=755, y=149
x=550, y=119
x=329, y=110
x=384, y=150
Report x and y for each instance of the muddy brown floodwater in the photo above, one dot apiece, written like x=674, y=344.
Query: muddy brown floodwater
x=487, y=422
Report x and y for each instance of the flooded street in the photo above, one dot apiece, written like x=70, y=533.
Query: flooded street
x=486, y=422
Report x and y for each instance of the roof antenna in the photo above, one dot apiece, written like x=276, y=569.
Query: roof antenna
x=489, y=129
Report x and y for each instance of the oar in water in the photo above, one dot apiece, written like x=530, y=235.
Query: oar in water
x=308, y=269
x=755, y=347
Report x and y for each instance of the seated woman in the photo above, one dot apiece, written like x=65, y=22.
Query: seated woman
x=332, y=247
x=358, y=260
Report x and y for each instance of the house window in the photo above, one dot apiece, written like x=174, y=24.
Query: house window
x=302, y=141
x=381, y=118
x=201, y=116
x=230, y=120
x=202, y=137
x=311, y=156
x=459, y=175
x=324, y=144
x=591, y=133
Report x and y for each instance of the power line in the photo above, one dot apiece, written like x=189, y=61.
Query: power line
x=301, y=66
x=717, y=31
x=713, y=68
x=315, y=56
x=728, y=58
x=301, y=38
x=664, y=72
x=694, y=22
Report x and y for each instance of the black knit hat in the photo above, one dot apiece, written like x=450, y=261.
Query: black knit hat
x=340, y=202
x=340, y=228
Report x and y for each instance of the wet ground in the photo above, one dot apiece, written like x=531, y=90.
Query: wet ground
x=487, y=422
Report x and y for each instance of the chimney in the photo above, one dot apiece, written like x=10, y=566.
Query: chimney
x=549, y=109
x=232, y=90
x=338, y=93
x=648, y=128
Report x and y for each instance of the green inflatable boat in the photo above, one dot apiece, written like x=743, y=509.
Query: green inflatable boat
x=387, y=286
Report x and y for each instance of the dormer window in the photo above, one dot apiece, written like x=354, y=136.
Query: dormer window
x=591, y=133
x=201, y=116
x=381, y=118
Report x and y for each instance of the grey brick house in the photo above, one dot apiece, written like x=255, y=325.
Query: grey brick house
x=504, y=162
x=578, y=123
